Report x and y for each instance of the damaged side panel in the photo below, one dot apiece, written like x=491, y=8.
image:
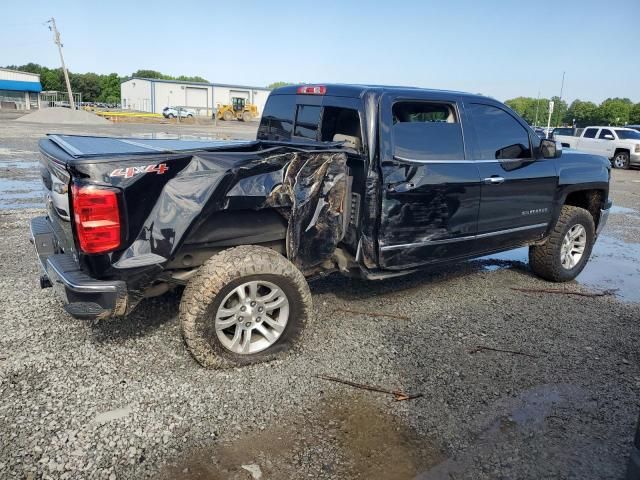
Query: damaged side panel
x=306, y=187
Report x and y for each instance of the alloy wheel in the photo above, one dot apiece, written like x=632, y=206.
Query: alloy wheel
x=252, y=317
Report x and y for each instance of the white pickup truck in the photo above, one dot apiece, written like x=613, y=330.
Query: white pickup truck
x=620, y=145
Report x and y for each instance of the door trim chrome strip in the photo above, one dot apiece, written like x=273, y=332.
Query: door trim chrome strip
x=463, y=239
x=504, y=160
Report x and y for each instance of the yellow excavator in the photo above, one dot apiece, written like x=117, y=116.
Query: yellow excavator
x=239, y=109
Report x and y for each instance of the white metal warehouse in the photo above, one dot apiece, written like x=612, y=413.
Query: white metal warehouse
x=19, y=90
x=152, y=95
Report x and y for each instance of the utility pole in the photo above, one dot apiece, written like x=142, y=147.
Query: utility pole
x=535, y=122
x=56, y=40
x=560, y=101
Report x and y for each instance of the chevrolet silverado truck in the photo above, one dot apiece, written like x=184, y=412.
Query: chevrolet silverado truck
x=371, y=182
x=620, y=145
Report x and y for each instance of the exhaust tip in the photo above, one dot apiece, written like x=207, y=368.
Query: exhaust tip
x=45, y=282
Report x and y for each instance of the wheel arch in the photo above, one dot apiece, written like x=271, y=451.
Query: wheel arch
x=591, y=199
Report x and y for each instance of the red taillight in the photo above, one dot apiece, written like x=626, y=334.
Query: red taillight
x=97, y=218
x=312, y=90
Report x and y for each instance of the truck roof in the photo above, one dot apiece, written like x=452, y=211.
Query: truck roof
x=608, y=126
x=356, y=90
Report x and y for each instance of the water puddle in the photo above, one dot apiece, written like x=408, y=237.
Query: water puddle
x=344, y=439
x=616, y=209
x=25, y=193
x=12, y=152
x=527, y=414
x=21, y=165
x=614, y=265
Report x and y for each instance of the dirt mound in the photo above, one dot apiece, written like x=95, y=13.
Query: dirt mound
x=64, y=116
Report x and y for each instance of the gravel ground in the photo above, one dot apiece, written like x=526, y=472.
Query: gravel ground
x=123, y=399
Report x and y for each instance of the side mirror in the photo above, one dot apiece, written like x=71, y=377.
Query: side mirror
x=608, y=137
x=550, y=148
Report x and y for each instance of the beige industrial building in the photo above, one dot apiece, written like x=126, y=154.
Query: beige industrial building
x=152, y=95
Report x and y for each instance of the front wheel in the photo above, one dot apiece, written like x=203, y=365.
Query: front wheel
x=246, y=305
x=565, y=253
x=621, y=160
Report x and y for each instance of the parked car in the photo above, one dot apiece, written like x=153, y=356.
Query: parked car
x=540, y=132
x=634, y=127
x=620, y=145
x=372, y=182
x=173, y=112
x=566, y=131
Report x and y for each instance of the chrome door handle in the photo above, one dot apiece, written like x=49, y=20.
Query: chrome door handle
x=495, y=180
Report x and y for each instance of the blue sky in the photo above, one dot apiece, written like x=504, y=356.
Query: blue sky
x=498, y=48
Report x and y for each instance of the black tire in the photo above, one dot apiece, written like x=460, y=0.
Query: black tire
x=227, y=116
x=246, y=117
x=545, y=259
x=217, y=278
x=621, y=160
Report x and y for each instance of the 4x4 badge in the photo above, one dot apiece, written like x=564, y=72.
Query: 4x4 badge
x=131, y=171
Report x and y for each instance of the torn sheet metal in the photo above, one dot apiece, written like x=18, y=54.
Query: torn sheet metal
x=307, y=187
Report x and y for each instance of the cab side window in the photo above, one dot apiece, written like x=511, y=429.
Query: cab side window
x=604, y=132
x=426, y=131
x=499, y=136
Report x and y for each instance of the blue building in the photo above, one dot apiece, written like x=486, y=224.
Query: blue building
x=19, y=90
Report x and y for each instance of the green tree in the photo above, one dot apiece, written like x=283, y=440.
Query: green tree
x=614, y=111
x=148, y=74
x=583, y=113
x=110, y=88
x=86, y=83
x=634, y=114
x=533, y=110
x=279, y=84
x=184, y=78
x=559, y=110
x=51, y=80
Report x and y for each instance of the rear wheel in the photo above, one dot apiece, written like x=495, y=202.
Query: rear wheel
x=228, y=116
x=246, y=305
x=621, y=160
x=565, y=253
x=246, y=117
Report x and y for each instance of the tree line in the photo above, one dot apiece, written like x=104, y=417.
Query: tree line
x=94, y=87
x=612, y=111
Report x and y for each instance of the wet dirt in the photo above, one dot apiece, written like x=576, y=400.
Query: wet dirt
x=536, y=411
x=614, y=265
x=348, y=436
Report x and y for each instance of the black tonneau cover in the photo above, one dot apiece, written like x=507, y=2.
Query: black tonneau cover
x=67, y=148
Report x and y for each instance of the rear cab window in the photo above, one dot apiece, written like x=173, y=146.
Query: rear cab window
x=277, y=119
x=288, y=118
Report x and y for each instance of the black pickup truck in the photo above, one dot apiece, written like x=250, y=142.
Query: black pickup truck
x=367, y=181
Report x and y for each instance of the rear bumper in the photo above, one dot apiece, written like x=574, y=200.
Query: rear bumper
x=604, y=216
x=84, y=297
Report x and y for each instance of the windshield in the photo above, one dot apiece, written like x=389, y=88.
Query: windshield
x=628, y=135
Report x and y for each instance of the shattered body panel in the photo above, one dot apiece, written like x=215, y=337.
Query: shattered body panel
x=307, y=187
